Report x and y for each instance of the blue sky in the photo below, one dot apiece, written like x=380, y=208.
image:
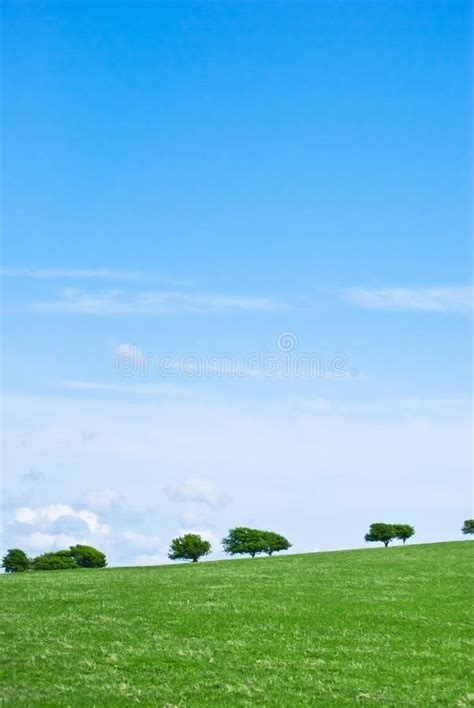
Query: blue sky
x=196, y=179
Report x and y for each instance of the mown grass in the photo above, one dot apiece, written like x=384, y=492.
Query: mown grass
x=377, y=626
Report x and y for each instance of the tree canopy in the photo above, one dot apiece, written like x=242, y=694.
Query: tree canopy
x=16, y=561
x=60, y=560
x=243, y=540
x=381, y=532
x=189, y=547
x=274, y=542
x=88, y=557
x=387, y=532
x=403, y=531
x=468, y=526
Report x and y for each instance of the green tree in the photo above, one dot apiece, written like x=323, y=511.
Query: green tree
x=468, y=526
x=404, y=531
x=189, y=547
x=88, y=557
x=244, y=540
x=381, y=532
x=274, y=542
x=16, y=561
x=60, y=560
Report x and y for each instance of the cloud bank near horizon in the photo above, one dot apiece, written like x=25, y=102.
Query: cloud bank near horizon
x=198, y=465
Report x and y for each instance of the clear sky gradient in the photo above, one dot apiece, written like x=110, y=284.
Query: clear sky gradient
x=197, y=178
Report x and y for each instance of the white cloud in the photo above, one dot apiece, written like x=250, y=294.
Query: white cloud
x=53, y=512
x=46, y=542
x=102, y=499
x=202, y=491
x=448, y=299
x=140, y=540
x=154, y=302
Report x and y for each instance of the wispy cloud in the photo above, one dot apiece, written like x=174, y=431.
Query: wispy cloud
x=71, y=273
x=152, y=302
x=125, y=388
x=103, y=499
x=448, y=299
x=142, y=541
x=201, y=491
x=399, y=408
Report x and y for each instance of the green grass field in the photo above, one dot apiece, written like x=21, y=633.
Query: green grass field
x=378, y=626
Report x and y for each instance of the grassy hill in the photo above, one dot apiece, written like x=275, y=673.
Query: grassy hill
x=376, y=626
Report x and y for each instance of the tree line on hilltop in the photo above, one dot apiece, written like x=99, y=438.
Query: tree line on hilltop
x=192, y=547
x=78, y=556
x=240, y=540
